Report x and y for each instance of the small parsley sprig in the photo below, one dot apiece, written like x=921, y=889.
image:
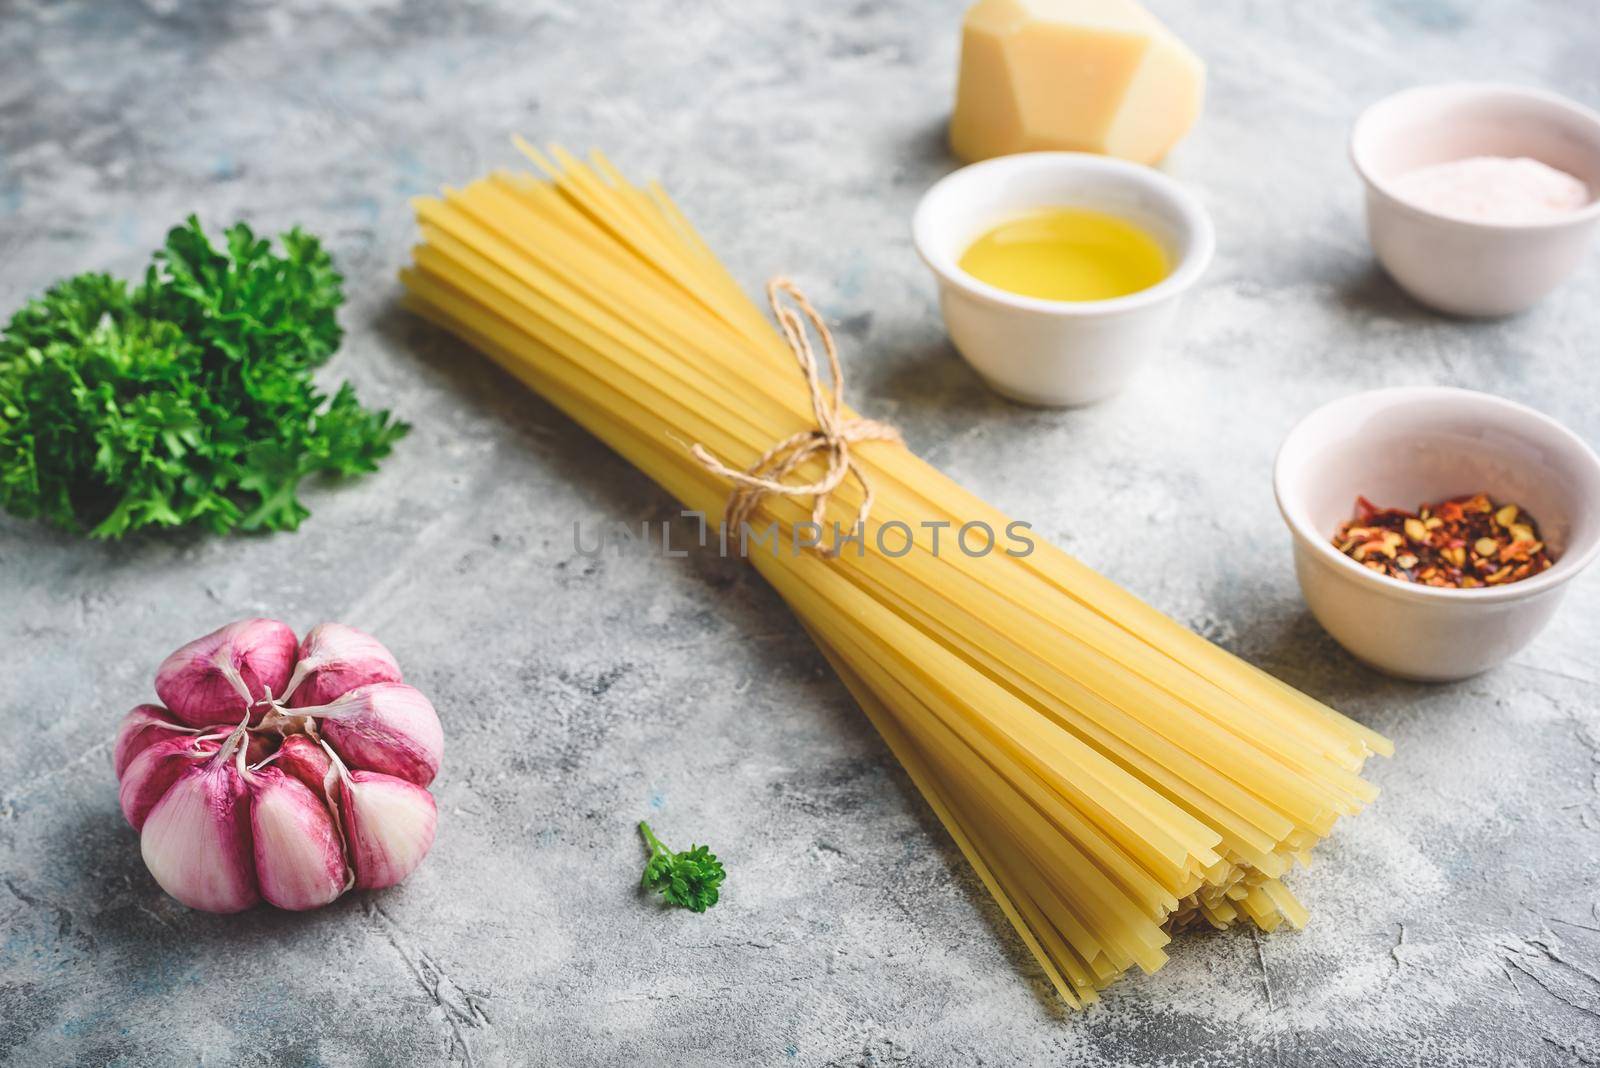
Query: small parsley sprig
x=689, y=879
x=186, y=398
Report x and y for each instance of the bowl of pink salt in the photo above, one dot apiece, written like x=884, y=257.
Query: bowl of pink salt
x=1481, y=198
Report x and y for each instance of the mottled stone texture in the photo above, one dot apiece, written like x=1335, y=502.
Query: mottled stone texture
x=1455, y=923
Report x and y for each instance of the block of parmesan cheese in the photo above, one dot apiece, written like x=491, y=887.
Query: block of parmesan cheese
x=1082, y=75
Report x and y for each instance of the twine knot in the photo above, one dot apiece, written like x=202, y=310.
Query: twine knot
x=834, y=434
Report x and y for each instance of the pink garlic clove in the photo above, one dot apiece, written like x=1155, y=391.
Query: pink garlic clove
x=389, y=825
x=151, y=774
x=216, y=679
x=335, y=659
x=197, y=842
x=142, y=727
x=385, y=726
x=306, y=761
x=299, y=859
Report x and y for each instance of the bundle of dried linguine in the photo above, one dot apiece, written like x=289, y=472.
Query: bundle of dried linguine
x=1111, y=776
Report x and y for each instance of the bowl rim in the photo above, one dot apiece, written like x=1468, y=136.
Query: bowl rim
x=1567, y=567
x=1481, y=91
x=1198, y=255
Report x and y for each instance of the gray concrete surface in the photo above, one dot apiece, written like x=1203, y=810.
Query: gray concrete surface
x=1456, y=923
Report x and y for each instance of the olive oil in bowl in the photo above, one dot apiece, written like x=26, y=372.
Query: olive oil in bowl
x=1067, y=254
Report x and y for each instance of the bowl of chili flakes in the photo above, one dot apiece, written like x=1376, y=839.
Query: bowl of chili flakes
x=1435, y=530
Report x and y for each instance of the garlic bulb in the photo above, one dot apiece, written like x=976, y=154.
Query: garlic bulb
x=238, y=797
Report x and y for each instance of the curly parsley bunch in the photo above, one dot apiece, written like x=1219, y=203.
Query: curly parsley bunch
x=692, y=878
x=183, y=400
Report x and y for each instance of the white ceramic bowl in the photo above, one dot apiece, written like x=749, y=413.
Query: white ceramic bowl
x=1456, y=265
x=1050, y=352
x=1406, y=447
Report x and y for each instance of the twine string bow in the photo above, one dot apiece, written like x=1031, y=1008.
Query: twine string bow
x=833, y=435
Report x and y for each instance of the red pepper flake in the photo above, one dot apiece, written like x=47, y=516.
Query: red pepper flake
x=1464, y=542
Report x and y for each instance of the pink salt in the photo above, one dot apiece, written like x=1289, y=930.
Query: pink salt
x=1493, y=189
